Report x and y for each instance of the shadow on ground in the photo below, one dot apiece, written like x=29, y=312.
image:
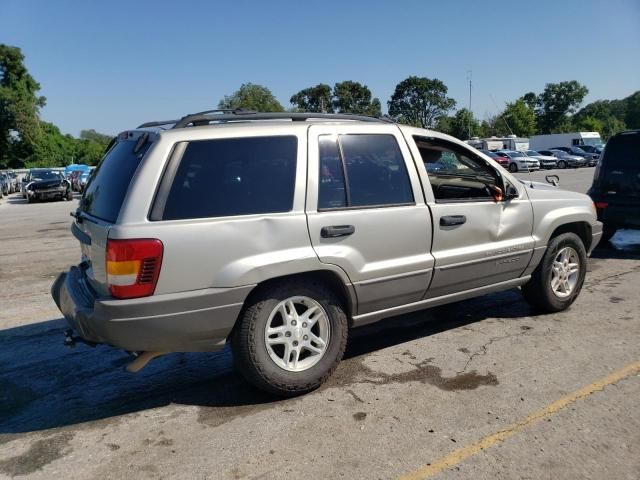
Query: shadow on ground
x=44, y=384
x=625, y=244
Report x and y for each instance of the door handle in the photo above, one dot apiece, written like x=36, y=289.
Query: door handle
x=450, y=220
x=335, y=231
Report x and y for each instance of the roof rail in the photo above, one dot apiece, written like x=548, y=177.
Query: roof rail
x=205, y=118
x=234, y=115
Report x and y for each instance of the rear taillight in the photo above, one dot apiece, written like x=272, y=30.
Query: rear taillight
x=133, y=267
x=601, y=205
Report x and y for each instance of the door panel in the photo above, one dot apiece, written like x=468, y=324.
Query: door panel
x=387, y=257
x=493, y=245
x=490, y=241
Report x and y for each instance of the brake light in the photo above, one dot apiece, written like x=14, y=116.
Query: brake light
x=601, y=205
x=133, y=267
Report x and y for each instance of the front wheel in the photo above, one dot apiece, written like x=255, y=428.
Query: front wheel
x=558, y=279
x=290, y=338
x=562, y=164
x=513, y=167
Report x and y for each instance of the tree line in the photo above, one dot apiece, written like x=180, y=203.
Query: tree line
x=28, y=141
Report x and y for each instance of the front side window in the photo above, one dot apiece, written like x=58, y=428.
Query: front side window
x=233, y=176
x=362, y=171
x=456, y=174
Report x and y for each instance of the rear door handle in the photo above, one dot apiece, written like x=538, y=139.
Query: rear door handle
x=335, y=231
x=451, y=220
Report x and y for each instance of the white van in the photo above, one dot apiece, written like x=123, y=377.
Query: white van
x=573, y=139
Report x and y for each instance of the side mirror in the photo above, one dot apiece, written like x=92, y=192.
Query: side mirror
x=510, y=191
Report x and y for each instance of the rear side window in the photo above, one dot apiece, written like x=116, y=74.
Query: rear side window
x=233, y=176
x=623, y=151
x=374, y=168
x=105, y=193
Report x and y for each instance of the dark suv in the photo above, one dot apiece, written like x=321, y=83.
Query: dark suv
x=616, y=183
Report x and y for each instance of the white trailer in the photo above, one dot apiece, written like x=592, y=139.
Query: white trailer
x=573, y=139
x=500, y=143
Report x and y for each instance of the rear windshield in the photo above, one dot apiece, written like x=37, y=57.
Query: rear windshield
x=623, y=151
x=105, y=193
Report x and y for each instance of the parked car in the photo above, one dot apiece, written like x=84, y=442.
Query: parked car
x=278, y=236
x=519, y=160
x=565, y=160
x=595, y=150
x=616, y=183
x=82, y=180
x=46, y=184
x=5, y=184
x=74, y=178
x=546, y=161
x=591, y=159
x=15, y=183
x=502, y=160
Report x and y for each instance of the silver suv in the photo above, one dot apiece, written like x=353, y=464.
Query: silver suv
x=280, y=232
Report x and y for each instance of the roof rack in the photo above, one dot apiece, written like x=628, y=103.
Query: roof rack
x=238, y=115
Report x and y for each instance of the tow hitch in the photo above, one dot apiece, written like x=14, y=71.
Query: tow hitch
x=70, y=339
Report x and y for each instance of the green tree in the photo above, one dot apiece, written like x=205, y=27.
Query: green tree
x=420, y=101
x=354, y=97
x=19, y=107
x=252, y=97
x=556, y=103
x=632, y=114
x=314, y=99
x=520, y=118
x=589, y=124
x=51, y=148
x=460, y=122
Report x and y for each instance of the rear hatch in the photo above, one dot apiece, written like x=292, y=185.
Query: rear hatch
x=101, y=203
x=619, y=171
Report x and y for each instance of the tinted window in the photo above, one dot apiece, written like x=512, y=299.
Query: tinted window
x=331, y=191
x=104, y=195
x=234, y=176
x=375, y=170
x=623, y=151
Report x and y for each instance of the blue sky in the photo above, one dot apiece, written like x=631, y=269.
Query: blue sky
x=110, y=65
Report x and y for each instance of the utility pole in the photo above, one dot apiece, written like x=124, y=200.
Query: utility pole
x=469, y=76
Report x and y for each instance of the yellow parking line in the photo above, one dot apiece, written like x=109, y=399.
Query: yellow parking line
x=463, y=453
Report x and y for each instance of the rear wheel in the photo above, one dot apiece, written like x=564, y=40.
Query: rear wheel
x=290, y=338
x=513, y=167
x=557, y=280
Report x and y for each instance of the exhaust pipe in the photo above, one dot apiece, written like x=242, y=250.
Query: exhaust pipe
x=141, y=361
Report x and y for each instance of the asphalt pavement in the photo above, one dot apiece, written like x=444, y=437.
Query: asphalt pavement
x=481, y=389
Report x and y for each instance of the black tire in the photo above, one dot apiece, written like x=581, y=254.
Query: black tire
x=250, y=354
x=562, y=164
x=513, y=167
x=608, y=232
x=538, y=291
x=69, y=195
x=30, y=199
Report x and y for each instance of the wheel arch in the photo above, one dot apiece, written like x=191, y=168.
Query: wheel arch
x=328, y=277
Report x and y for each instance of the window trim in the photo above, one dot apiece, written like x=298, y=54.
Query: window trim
x=346, y=176
x=461, y=150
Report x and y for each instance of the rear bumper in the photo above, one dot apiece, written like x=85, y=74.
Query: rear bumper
x=620, y=215
x=192, y=321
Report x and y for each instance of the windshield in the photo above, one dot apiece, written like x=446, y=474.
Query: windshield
x=593, y=141
x=44, y=175
x=105, y=192
x=623, y=151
